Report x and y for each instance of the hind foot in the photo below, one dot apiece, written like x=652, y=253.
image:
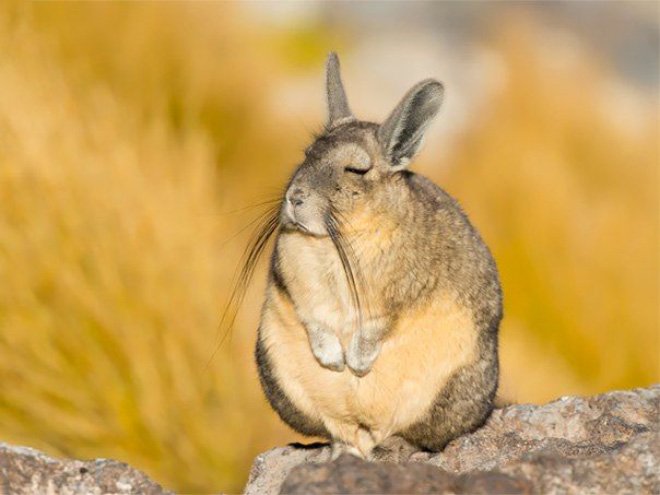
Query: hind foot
x=339, y=448
x=393, y=449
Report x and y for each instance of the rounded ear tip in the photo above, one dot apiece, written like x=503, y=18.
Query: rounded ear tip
x=433, y=90
x=433, y=85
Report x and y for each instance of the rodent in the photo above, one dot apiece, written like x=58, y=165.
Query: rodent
x=379, y=329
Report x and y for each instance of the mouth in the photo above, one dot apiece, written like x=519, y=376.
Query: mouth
x=291, y=222
x=301, y=228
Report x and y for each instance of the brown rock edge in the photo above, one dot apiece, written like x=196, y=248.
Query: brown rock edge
x=349, y=474
x=25, y=471
x=608, y=443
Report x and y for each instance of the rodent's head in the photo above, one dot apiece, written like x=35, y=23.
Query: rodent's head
x=349, y=163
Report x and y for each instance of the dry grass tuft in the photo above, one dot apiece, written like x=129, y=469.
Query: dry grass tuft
x=128, y=131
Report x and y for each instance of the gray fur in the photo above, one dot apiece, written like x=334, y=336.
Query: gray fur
x=338, y=109
x=402, y=132
x=434, y=249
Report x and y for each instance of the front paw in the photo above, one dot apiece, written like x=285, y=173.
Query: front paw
x=328, y=351
x=361, y=355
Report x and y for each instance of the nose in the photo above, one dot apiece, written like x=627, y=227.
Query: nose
x=296, y=197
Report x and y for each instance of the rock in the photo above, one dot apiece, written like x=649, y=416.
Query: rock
x=25, y=471
x=270, y=468
x=349, y=474
x=609, y=443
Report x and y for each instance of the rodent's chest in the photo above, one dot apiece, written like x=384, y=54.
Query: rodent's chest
x=315, y=279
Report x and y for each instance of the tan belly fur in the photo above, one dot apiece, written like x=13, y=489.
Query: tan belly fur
x=417, y=358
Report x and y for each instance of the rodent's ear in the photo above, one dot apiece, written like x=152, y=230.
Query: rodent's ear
x=401, y=135
x=338, y=109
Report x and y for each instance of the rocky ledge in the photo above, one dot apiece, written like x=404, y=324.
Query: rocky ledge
x=604, y=444
x=609, y=443
x=25, y=471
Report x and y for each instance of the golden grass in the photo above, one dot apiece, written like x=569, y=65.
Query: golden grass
x=128, y=131
x=112, y=279
x=569, y=202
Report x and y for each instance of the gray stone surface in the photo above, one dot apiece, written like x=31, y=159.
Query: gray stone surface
x=604, y=444
x=270, y=468
x=349, y=474
x=25, y=471
x=608, y=443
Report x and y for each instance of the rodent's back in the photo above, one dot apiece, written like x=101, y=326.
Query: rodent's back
x=467, y=267
x=439, y=249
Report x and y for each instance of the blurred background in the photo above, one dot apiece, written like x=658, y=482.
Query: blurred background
x=136, y=138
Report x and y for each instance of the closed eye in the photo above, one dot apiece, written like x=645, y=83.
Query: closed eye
x=357, y=171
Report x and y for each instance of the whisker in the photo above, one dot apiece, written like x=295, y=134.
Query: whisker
x=355, y=257
x=269, y=222
x=265, y=202
x=348, y=262
x=263, y=215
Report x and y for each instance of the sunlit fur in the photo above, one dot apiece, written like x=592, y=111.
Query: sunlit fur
x=397, y=253
x=120, y=167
